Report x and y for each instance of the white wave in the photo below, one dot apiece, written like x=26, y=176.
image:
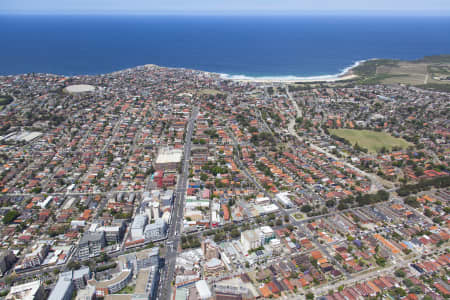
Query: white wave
x=330, y=77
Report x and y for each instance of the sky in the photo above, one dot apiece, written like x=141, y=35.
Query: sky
x=418, y=7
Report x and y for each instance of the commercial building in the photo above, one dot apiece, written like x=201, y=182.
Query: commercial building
x=113, y=234
x=114, y=285
x=156, y=230
x=283, y=198
x=146, y=283
x=145, y=264
x=27, y=291
x=63, y=289
x=168, y=159
x=137, y=227
x=35, y=258
x=251, y=239
x=213, y=266
x=7, y=260
x=167, y=198
x=87, y=293
x=203, y=290
x=68, y=282
x=147, y=258
x=267, y=234
x=210, y=249
x=91, y=244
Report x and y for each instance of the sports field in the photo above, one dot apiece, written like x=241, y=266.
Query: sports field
x=371, y=140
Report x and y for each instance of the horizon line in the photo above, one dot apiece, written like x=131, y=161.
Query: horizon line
x=399, y=13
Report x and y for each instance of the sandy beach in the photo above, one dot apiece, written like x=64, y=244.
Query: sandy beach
x=293, y=79
x=346, y=74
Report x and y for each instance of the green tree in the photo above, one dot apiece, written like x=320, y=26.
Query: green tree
x=306, y=208
x=10, y=216
x=400, y=273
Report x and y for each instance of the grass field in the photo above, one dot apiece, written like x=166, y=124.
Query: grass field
x=205, y=92
x=371, y=140
x=298, y=216
x=424, y=73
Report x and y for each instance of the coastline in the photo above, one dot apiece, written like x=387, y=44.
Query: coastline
x=345, y=74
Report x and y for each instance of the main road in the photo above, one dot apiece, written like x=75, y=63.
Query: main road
x=174, y=235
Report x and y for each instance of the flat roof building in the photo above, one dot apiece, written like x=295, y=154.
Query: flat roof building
x=27, y=291
x=168, y=159
x=91, y=244
x=203, y=289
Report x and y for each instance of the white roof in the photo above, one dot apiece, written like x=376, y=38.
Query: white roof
x=266, y=230
x=139, y=221
x=270, y=208
x=169, y=156
x=275, y=242
x=31, y=136
x=24, y=291
x=203, y=289
x=80, y=88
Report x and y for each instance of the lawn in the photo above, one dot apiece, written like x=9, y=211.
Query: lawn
x=371, y=140
x=298, y=216
x=127, y=290
x=209, y=92
x=5, y=100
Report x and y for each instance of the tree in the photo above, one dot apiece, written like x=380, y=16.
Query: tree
x=412, y=201
x=408, y=282
x=310, y=296
x=415, y=290
x=73, y=265
x=342, y=205
x=398, y=292
x=235, y=233
x=10, y=216
x=306, y=208
x=400, y=273
x=330, y=203
x=9, y=280
x=381, y=261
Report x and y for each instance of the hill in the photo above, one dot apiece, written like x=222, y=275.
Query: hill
x=431, y=72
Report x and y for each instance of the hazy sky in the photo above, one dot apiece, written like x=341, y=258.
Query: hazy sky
x=216, y=6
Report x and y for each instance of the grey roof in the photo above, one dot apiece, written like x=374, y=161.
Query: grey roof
x=168, y=195
x=139, y=221
x=147, y=253
x=62, y=286
x=158, y=224
x=64, y=282
x=92, y=237
x=84, y=271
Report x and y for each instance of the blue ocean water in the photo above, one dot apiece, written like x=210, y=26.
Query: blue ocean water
x=236, y=45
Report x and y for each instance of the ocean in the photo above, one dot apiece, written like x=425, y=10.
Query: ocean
x=252, y=46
